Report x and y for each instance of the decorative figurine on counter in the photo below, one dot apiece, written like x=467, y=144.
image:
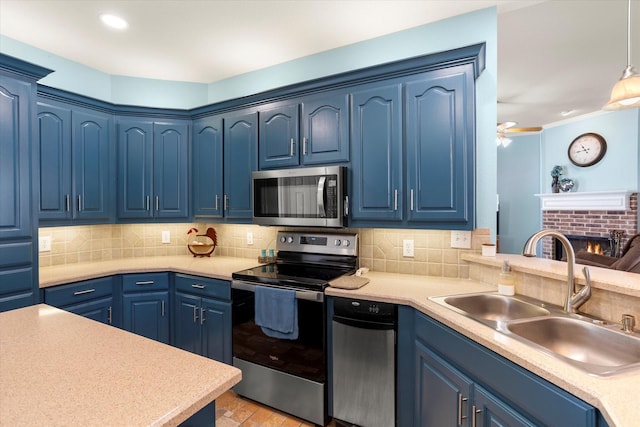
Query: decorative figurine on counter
x=556, y=172
x=202, y=244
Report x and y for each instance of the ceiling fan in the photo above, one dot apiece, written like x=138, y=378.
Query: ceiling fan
x=505, y=128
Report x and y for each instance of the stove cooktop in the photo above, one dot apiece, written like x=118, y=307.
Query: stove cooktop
x=292, y=275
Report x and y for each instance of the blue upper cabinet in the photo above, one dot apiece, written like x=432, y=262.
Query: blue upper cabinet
x=279, y=141
x=152, y=169
x=207, y=179
x=135, y=163
x=240, y=159
x=376, y=145
x=325, y=128
x=76, y=164
x=440, y=147
x=170, y=169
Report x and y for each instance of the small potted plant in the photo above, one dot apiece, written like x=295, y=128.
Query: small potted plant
x=556, y=173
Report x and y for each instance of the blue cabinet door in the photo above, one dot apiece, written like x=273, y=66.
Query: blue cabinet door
x=54, y=144
x=92, y=165
x=440, y=148
x=443, y=394
x=135, y=173
x=187, y=332
x=170, y=173
x=488, y=410
x=216, y=330
x=240, y=159
x=376, y=144
x=325, y=128
x=146, y=314
x=15, y=161
x=100, y=310
x=278, y=144
x=207, y=168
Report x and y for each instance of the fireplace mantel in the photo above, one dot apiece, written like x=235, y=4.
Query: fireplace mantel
x=586, y=201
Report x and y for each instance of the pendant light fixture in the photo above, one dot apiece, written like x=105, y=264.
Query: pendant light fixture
x=626, y=92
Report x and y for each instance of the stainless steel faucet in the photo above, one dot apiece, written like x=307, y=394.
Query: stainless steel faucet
x=574, y=299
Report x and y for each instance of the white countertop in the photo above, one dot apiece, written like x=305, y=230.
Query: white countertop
x=61, y=369
x=609, y=394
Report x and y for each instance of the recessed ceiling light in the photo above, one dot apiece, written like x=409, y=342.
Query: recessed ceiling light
x=566, y=113
x=114, y=21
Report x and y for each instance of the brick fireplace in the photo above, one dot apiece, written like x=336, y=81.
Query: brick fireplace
x=589, y=214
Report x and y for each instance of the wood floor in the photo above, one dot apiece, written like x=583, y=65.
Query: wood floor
x=233, y=411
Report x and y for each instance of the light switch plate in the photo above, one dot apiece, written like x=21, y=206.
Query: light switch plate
x=166, y=236
x=407, y=248
x=461, y=239
x=44, y=244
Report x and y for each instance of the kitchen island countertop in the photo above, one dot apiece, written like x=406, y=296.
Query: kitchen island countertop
x=58, y=368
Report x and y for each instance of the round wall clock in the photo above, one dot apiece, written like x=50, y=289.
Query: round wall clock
x=587, y=149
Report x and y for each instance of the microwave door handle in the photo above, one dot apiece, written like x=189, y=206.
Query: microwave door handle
x=320, y=196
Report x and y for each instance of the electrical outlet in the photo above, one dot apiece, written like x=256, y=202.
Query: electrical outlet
x=461, y=239
x=44, y=244
x=166, y=236
x=407, y=248
x=249, y=238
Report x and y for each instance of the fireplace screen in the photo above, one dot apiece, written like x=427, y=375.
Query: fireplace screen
x=610, y=246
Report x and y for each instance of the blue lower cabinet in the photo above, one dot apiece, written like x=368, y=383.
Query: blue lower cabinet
x=146, y=305
x=93, y=299
x=445, y=379
x=202, y=317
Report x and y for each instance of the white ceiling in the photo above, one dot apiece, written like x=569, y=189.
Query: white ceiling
x=552, y=55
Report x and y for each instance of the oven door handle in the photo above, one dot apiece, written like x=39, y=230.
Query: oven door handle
x=300, y=294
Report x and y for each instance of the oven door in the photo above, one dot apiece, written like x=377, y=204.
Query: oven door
x=303, y=357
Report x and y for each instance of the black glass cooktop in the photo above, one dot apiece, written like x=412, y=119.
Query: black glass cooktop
x=292, y=275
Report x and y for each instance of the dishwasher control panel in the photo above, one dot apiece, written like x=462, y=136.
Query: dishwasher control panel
x=364, y=310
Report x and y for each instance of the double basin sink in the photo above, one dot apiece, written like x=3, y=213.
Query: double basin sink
x=589, y=344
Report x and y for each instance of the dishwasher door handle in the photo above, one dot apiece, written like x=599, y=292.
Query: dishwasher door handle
x=364, y=324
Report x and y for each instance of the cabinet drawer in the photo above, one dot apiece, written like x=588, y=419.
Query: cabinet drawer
x=74, y=293
x=145, y=282
x=204, y=286
x=16, y=254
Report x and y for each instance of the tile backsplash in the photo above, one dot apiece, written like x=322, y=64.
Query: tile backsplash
x=380, y=249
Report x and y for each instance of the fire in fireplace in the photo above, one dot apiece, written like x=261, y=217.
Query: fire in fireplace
x=593, y=244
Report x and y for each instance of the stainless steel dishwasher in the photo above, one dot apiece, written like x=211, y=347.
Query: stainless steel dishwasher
x=363, y=355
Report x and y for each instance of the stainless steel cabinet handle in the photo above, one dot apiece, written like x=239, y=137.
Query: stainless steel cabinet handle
x=202, y=319
x=157, y=203
x=217, y=202
x=67, y=202
x=86, y=291
x=195, y=314
x=110, y=315
x=79, y=203
x=198, y=286
x=411, y=206
x=162, y=308
x=474, y=415
x=148, y=206
x=225, y=204
x=292, y=145
x=460, y=401
x=395, y=199
x=304, y=146
x=145, y=282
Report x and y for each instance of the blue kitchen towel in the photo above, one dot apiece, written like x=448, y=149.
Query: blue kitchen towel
x=277, y=312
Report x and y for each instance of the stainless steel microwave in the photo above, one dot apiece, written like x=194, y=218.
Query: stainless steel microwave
x=309, y=197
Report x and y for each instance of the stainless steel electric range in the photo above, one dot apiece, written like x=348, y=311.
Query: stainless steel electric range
x=290, y=374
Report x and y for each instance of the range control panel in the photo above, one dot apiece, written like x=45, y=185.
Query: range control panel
x=322, y=243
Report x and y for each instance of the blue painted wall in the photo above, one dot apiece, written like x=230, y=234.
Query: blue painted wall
x=520, y=213
x=463, y=30
x=518, y=181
